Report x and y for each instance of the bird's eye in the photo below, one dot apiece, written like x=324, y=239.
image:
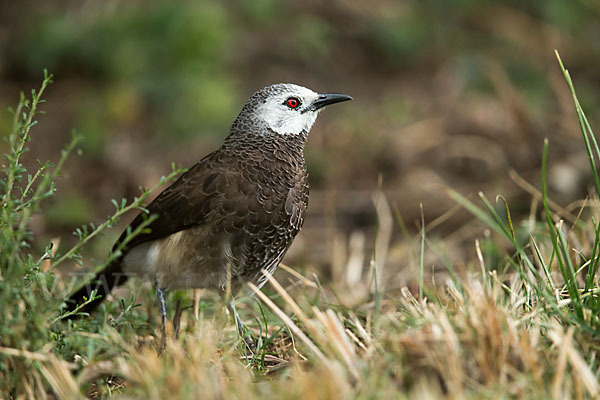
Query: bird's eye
x=292, y=102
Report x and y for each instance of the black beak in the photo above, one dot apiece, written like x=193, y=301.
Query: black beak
x=326, y=99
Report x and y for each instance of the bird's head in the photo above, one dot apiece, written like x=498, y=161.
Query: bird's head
x=287, y=109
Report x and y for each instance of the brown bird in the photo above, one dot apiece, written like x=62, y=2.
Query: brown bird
x=233, y=214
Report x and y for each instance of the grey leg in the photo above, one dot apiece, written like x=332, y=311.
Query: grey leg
x=238, y=321
x=160, y=295
x=241, y=327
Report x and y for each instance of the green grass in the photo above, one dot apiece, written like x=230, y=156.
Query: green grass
x=520, y=321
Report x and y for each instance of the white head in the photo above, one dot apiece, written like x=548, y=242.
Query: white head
x=287, y=109
x=287, y=112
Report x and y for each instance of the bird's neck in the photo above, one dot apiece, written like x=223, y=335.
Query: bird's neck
x=267, y=142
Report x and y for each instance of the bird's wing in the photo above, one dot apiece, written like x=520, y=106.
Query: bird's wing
x=184, y=204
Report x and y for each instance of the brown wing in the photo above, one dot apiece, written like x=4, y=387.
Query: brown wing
x=184, y=204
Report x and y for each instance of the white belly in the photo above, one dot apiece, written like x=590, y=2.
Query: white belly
x=184, y=260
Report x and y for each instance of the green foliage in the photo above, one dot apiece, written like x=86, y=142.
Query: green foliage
x=564, y=298
x=135, y=51
x=22, y=194
x=30, y=291
x=23, y=322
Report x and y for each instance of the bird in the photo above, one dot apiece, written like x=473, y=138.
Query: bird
x=231, y=217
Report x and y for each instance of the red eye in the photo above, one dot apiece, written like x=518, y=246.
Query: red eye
x=292, y=102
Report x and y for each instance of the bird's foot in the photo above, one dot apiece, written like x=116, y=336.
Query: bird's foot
x=249, y=346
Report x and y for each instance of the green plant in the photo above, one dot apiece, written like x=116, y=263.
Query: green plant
x=30, y=295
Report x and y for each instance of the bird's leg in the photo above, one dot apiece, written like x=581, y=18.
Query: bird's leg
x=241, y=328
x=238, y=321
x=160, y=295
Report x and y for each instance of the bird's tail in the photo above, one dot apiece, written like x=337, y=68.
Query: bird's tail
x=104, y=281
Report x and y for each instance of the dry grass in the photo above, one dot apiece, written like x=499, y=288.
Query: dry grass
x=479, y=341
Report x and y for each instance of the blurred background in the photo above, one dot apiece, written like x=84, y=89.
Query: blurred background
x=446, y=94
